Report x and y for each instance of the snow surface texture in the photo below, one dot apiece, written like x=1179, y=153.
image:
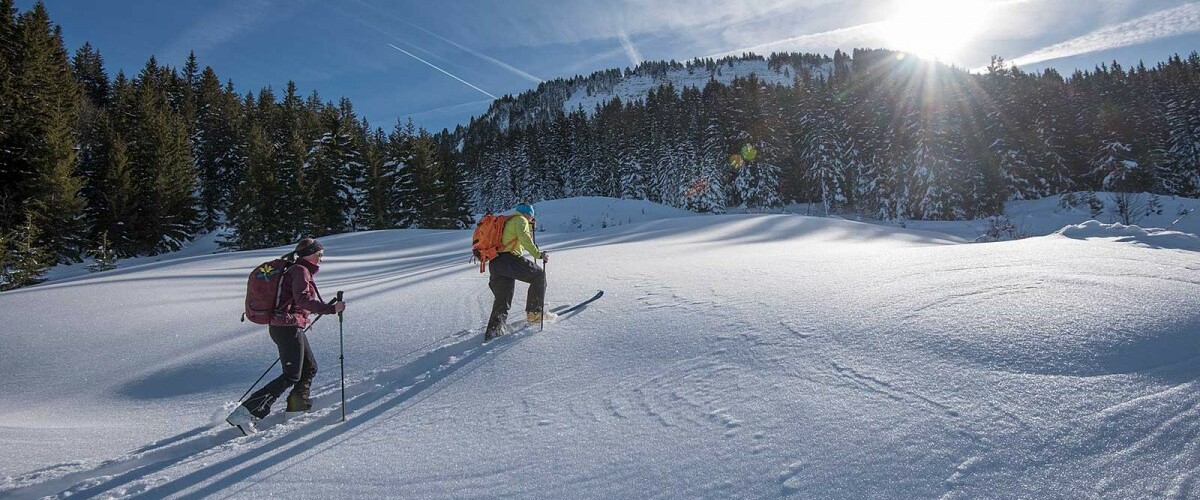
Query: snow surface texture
x=742, y=356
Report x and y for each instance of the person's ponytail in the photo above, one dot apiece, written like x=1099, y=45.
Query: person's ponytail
x=301, y=245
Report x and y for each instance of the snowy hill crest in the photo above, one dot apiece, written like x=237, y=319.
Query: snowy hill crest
x=586, y=93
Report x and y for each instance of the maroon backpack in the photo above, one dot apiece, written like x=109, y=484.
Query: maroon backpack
x=263, y=290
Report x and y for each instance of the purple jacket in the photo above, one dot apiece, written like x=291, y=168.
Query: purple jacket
x=298, y=297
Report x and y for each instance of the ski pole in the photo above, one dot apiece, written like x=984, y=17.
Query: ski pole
x=342, y=357
x=260, y=377
x=542, y=316
x=542, y=322
x=1181, y=216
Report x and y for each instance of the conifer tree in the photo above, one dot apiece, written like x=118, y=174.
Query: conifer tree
x=10, y=170
x=114, y=207
x=255, y=210
x=376, y=188
x=216, y=147
x=28, y=260
x=336, y=159
x=163, y=171
x=39, y=154
x=402, y=199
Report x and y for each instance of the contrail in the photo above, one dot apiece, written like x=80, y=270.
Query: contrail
x=630, y=50
x=1180, y=20
x=445, y=108
x=410, y=54
x=460, y=46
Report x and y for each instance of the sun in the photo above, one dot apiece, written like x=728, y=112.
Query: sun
x=934, y=29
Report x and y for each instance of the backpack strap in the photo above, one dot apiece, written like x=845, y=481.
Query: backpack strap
x=279, y=287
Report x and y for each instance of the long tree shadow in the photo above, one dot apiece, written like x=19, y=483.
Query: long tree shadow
x=405, y=385
x=394, y=387
x=447, y=364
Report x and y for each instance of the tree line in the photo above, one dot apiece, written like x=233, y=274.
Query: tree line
x=124, y=166
x=109, y=167
x=873, y=132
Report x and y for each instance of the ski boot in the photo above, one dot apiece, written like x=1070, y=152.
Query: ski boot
x=243, y=420
x=499, y=331
x=297, y=404
x=535, y=317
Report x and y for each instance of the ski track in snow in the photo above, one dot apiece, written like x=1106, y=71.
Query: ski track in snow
x=719, y=364
x=144, y=472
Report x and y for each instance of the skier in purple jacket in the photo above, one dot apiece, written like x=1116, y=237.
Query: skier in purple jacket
x=298, y=298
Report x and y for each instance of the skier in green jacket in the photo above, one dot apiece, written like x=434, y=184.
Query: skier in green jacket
x=510, y=266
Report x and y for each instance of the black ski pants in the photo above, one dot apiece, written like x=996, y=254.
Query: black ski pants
x=299, y=368
x=506, y=270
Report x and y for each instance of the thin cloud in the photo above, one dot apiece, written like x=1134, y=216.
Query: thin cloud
x=630, y=50
x=431, y=65
x=460, y=46
x=837, y=37
x=219, y=27
x=593, y=59
x=1180, y=20
x=452, y=107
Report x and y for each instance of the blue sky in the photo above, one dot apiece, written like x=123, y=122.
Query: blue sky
x=438, y=62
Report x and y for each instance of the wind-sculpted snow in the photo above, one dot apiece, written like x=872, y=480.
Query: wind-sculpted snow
x=742, y=356
x=1150, y=237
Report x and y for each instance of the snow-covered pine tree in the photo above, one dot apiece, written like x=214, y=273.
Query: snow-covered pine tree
x=825, y=152
x=254, y=209
x=634, y=148
x=336, y=158
x=1180, y=168
x=703, y=187
x=1113, y=164
x=403, y=202
x=1050, y=130
x=376, y=188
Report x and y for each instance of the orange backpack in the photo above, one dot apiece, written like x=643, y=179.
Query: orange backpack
x=486, y=243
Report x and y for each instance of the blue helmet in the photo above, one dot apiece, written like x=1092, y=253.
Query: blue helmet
x=526, y=209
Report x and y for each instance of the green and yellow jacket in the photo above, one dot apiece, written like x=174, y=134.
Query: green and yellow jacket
x=518, y=230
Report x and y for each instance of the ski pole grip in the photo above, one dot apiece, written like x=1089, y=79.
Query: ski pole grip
x=339, y=299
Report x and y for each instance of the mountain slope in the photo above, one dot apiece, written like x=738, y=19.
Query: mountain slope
x=731, y=356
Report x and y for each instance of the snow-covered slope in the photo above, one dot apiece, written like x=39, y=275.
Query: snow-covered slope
x=739, y=356
x=544, y=103
x=637, y=86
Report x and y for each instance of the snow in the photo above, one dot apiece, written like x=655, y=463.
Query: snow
x=1153, y=237
x=740, y=355
x=1042, y=217
x=636, y=87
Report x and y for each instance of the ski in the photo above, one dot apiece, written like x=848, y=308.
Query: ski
x=522, y=325
x=581, y=305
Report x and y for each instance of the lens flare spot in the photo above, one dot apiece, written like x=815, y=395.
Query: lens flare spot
x=697, y=187
x=736, y=161
x=749, y=152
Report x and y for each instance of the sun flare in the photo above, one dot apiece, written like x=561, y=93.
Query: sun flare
x=935, y=29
